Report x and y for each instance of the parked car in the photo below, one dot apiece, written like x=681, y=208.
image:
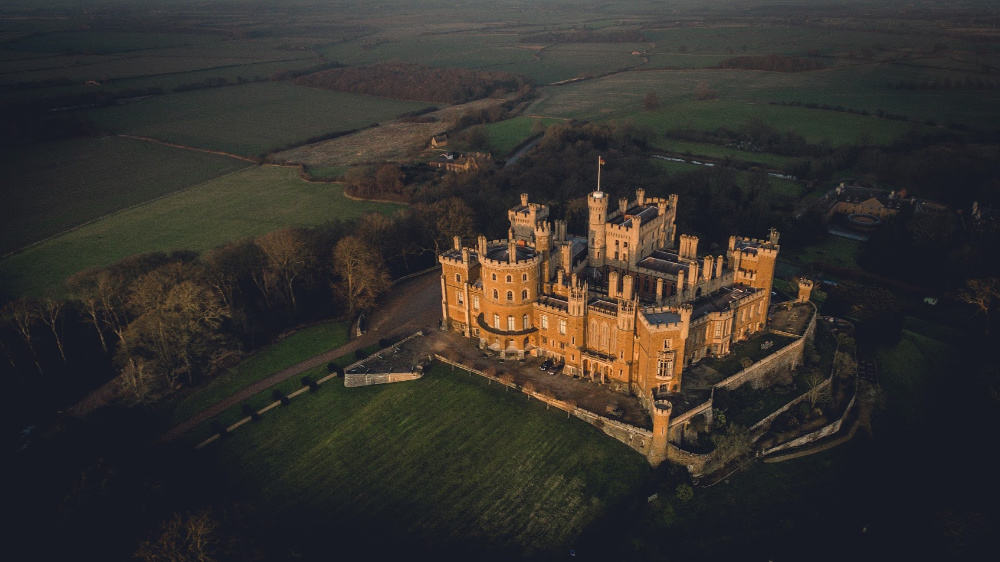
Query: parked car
x=546, y=365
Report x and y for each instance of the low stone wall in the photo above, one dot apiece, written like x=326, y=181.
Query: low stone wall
x=825, y=431
x=694, y=463
x=789, y=356
x=369, y=379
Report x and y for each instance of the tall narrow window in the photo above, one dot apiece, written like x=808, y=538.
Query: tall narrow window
x=510, y=324
x=524, y=294
x=475, y=302
x=458, y=278
x=509, y=279
x=562, y=327
x=496, y=295
x=510, y=295
x=496, y=321
x=525, y=322
x=524, y=277
x=665, y=366
x=545, y=322
x=461, y=297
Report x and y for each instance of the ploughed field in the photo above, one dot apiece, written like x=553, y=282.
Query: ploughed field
x=446, y=461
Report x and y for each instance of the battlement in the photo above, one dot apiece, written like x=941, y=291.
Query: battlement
x=667, y=317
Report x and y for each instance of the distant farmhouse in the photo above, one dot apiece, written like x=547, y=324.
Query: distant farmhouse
x=629, y=304
x=460, y=163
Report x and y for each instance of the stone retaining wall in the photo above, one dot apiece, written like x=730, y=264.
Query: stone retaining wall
x=820, y=433
x=369, y=379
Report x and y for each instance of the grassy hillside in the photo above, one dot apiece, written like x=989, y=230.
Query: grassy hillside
x=245, y=203
x=55, y=186
x=445, y=461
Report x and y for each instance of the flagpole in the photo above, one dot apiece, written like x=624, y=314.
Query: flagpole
x=598, y=174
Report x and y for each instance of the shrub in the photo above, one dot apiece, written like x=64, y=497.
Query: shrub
x=249, y=410
x=360, y=354
x=684, y=493
x=277, y=394
x=313, y=385
x=219, y=429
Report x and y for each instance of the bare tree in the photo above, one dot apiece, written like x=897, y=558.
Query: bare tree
x=22, y=313
x=362, y=271
x=50, y=313
x=286, y=252
x=814, y=381
x=184, y=537
x=83, y=287
x=983, y=294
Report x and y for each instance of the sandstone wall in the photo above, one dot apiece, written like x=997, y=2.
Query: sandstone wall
x=368, y=379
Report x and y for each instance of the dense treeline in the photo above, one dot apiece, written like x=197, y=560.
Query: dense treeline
x=417, y=82
x=585, y=36
x=775, y=63
x=157, y=322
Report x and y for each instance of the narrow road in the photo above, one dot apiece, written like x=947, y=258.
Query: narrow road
x=412, y=305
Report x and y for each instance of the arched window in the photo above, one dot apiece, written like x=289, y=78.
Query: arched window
x=494, y=276
x=458, y=278
x=524, y=294
x=496, y=295
x=524, y=277
x=510, y=295
x=509, y=279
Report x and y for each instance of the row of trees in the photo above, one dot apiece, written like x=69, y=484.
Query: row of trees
x=417, y=82
x=157, y=322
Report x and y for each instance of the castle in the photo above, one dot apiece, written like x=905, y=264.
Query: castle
x=631, y=304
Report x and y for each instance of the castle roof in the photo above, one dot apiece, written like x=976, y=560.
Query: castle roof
x=720, y=300
x=645, y=213
x=661, y=317
x=664, y=262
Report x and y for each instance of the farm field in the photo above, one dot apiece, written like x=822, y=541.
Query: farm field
x=62, y=184
x=395, y=141
x=445, y=461
x=241, y=204
x=779, y=186
x=297, y=347
x=722, y=152
x=250, y=119
x=505, y=136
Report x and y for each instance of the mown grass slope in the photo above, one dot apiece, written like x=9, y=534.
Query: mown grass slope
x=445, y=461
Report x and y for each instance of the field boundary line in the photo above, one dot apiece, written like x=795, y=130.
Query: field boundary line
x=187, y=147
x=117, y=212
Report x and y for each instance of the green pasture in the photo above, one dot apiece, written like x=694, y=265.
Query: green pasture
x=779, y=186
x=723, y=152
x=58, y=185
x=505, y=136
x=102, y=41
x=251, y=119
x=241, y=204
x=291, y=350
x=446, y=459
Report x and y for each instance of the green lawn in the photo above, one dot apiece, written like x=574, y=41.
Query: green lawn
x=242, y=204
x=779, y=186
x=295, y=348
x=251, y=119
x=445, y=459
x=834, y=250
x=54, y=186
x=505, y=136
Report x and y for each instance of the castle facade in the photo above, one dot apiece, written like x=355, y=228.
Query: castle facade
x=631, y=304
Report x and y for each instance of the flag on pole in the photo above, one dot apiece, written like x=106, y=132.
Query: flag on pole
x=600, y=161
